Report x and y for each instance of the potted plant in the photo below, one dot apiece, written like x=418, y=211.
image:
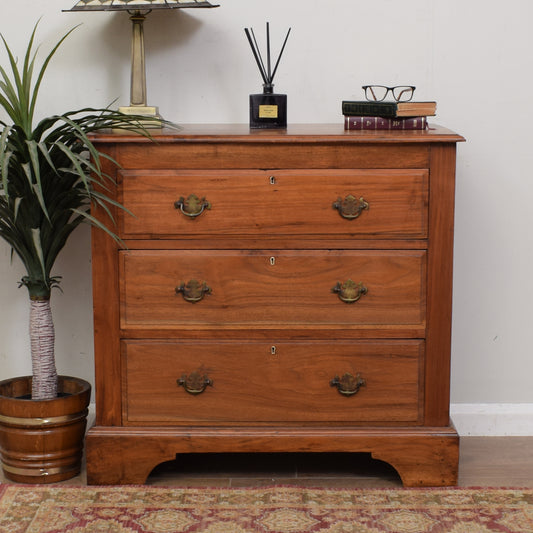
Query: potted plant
x=50, y=176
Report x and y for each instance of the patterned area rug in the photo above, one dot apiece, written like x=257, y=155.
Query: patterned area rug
x=59, y=509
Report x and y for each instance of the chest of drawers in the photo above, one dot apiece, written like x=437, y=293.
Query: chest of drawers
x=279, y=291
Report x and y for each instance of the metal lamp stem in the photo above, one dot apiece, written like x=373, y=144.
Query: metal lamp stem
x=138, y=70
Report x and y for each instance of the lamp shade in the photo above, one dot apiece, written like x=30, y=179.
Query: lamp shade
x=132, y=5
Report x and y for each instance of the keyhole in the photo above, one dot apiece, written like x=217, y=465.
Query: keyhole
x=272, y=180
x=272, y=261
x=273, y=350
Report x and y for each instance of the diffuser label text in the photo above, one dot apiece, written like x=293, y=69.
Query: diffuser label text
x=268, y=111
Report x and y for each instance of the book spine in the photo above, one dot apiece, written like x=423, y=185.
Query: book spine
x=369, y=109
x=382, y=123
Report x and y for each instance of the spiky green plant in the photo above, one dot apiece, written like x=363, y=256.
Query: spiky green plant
x=51, y=174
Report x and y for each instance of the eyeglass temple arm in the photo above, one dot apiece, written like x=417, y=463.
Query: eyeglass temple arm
x=409, y=89
x=373, y=93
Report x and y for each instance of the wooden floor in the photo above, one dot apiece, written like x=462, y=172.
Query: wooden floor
x=484, y=462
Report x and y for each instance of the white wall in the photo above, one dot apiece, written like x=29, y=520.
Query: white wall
x=473, y=56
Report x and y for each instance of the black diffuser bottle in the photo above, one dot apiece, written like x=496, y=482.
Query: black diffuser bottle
x=267, y=110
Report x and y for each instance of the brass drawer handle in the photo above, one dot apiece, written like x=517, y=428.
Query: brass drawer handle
x=349, y=291
x=193, y=291
x=348, y=385
x=351, y=207
x=192, y=206
x=195, y=383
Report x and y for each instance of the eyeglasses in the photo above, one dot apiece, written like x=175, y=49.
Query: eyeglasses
x=378, y=93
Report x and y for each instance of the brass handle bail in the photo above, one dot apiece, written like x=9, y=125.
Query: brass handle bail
x=349, y=291
x=195, y=383
x=193, y=206
x=348, y=385
x=193, y=291
x=351, y=207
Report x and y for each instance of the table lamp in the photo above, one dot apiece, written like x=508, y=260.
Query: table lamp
x=138, y=9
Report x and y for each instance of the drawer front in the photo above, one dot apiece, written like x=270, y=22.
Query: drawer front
x=372, y=203
x=218, y=289
x=261, y=383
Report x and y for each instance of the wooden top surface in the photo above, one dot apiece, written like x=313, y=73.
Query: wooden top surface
x=302, y=133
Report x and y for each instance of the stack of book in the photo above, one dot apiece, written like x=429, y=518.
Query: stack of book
x=365, y=115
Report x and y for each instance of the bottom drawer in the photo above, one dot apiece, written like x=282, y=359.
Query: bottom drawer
x=256, y=383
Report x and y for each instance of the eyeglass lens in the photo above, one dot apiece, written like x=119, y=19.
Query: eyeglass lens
x=377, y=93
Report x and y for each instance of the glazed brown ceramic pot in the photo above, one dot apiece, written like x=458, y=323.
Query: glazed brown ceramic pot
x=41, y=441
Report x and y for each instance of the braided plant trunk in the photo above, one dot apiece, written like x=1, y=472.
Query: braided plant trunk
x=42, y=336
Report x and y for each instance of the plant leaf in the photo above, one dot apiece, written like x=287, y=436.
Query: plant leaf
x=95, y=222
x=36, y=234
x=5, y=155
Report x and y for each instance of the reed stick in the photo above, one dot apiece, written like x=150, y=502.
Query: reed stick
x=266, y=73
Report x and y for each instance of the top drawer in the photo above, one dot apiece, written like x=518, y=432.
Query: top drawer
x=349, y=203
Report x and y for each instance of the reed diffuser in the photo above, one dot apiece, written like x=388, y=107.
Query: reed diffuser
x=268, y=109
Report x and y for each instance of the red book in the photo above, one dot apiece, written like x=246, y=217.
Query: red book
x=383, y=123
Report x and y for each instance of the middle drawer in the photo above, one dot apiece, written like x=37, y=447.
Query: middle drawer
x=267, y=289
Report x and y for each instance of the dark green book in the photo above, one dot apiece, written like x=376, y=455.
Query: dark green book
x=388, y=109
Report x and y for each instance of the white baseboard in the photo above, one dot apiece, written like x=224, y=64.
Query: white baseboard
x=493, y=419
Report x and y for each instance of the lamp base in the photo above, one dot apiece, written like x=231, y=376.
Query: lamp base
x=150, y=112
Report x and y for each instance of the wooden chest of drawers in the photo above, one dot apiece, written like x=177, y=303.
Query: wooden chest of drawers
x=280, y=291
